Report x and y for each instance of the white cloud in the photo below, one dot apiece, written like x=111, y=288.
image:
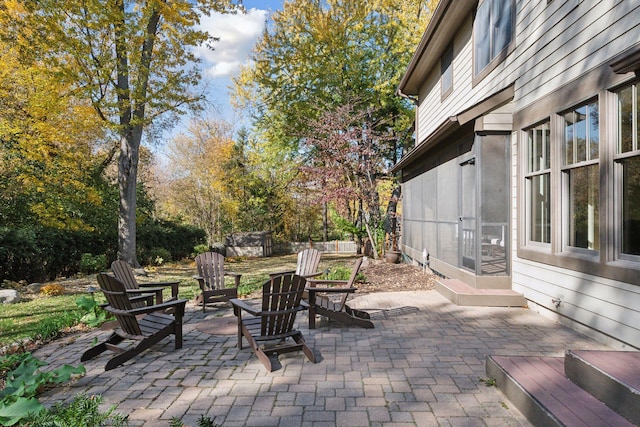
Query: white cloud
x=237, y=33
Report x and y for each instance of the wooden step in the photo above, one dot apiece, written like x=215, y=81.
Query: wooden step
x=611, y=376
x=462, y=294
x=539, y=389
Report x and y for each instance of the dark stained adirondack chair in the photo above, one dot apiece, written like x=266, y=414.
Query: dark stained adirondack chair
x=211, y=278
x=269, y=329
x=321, y=304
x=145, y=326
x=307, y=264
x=124, y=273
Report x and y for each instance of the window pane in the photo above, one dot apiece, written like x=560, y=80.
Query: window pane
x=501, y=19
x=539, y=148
x=584, y=200
x=446, y=64
x=637, y=103
x=631, y=206
x=625, y=120
x=580, y=133
x=481, y=35
x=569, y=137
x=540, y=209
x=594, y=131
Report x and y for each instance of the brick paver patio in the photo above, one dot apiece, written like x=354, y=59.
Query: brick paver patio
x=420, y=366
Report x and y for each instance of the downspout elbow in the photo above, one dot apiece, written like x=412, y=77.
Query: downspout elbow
x=413, y=99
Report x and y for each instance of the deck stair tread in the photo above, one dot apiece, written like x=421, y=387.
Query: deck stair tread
x=461, y=293
x=622, y=365
x=611, y=376
x=548, y=396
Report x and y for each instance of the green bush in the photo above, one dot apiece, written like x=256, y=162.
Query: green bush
x=200, y=249
x=92, y=263
x=82, y=411
x=23, y=382
x=38, y=254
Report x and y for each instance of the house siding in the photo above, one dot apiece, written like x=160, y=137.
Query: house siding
x=572, y=38
x=562, y=53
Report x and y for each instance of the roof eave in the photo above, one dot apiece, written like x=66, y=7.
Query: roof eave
x=444, y=24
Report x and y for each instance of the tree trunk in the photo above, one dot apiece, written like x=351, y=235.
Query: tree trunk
x=127, y=183
x=392, y=219
x=325, y=221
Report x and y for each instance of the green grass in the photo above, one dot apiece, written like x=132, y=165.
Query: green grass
x=43, y=316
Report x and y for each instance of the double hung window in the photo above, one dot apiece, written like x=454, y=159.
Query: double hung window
x=492, y=31
x=538, y=183
x=581, y=177
x=627, y=180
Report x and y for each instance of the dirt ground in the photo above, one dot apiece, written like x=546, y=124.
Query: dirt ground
x=384, y=277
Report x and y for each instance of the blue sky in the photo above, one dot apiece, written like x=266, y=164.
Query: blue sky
x=238, y=35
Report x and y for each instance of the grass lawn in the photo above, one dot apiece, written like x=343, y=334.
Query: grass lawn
x=42, y=316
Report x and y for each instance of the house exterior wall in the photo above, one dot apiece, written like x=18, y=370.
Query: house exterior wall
x=561, y=58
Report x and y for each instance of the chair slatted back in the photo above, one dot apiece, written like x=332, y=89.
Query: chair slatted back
x=119, y=303
x=281, y=297
x=210, y=266
x=308, y=262
x=124, y=273
x=352, y=280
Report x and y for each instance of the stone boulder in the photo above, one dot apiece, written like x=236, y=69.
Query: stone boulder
x=9, y=296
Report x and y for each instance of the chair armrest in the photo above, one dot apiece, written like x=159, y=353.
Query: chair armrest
x=236, y=277
x=148, y=284
x=143, y=297
x=179, y=303
x=327, y=282
x=244, y=306
x=145, y=290
x=332, y=290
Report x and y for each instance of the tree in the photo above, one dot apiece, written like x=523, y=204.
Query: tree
x=345, y=143
x=200, y=186
x=47, y=140
x=341, y=58
x=131, y=60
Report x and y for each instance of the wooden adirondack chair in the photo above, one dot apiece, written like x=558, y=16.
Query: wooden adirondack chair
x=307, y=264
x=211, y=274
x=146, y=326
x=124, y=273
x=336, y=310
x=268, y=328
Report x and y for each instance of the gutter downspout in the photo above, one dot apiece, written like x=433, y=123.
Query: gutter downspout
x=413, y=99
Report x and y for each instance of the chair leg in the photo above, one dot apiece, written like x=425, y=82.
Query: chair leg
x=305, y=348
x=262, y=356
x=94, y=351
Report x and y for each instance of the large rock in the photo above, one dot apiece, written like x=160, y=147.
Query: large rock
x=9, y=296
x=35, y=288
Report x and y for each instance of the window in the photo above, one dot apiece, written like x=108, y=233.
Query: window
x=538, y=184
x=581, y=177
x=446, y=71
x=628, y=165
x=492, y=31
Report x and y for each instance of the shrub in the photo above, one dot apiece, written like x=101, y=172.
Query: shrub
x=52, y=290
x=200, y=249
x=82, y=411
x=22, y=384
x=92, y=263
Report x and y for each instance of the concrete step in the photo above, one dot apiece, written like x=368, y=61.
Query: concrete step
x=611, y=376
x=539, y=389
x=460, y=293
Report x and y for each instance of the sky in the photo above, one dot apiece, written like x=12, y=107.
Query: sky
x=238, y=35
